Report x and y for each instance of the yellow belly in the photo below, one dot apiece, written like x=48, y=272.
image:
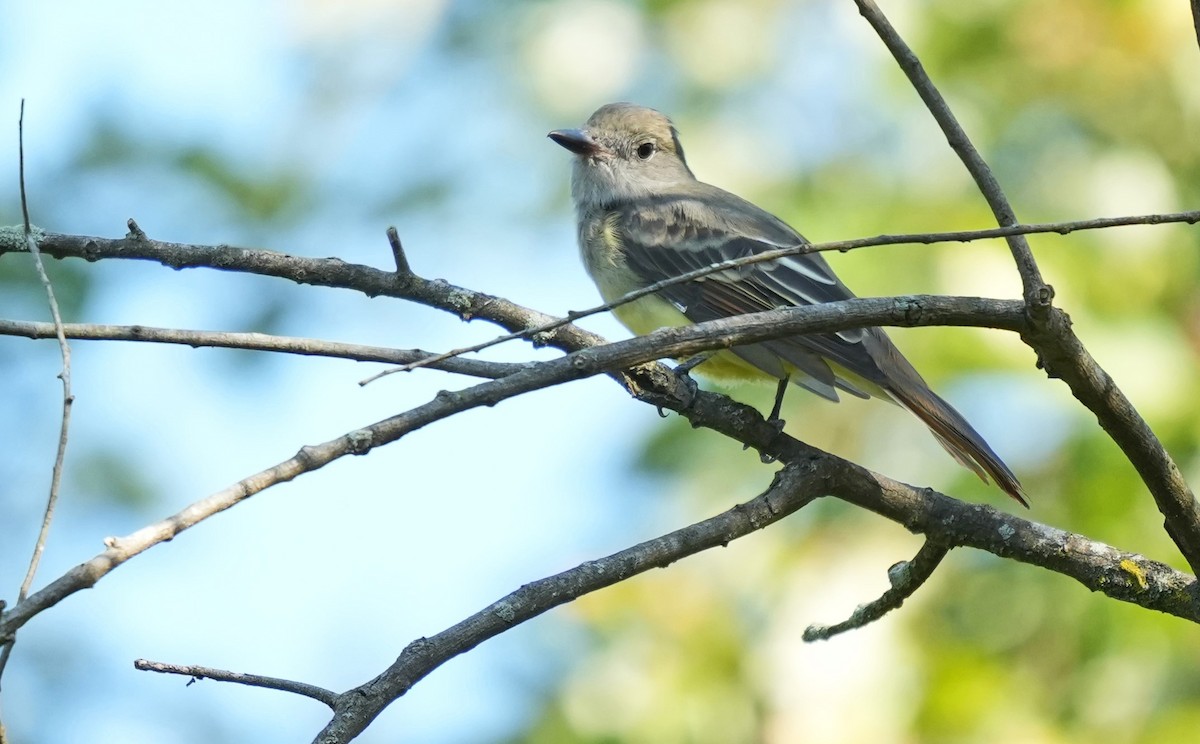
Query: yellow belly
x=651, y=313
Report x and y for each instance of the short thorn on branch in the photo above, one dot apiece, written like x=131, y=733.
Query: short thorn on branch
x=403, y=270
x=135, y=231
x=906, y=577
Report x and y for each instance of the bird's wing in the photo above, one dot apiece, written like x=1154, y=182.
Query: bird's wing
x=671, y=235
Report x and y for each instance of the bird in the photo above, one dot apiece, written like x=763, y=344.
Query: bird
x=644, y=217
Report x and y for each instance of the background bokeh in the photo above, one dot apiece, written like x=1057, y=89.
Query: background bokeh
x=309, y=126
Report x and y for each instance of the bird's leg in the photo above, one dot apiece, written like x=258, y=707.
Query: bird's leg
x=774, y=419
x=684, y=368
x=779, y=393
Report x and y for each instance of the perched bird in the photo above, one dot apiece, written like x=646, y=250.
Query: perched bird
x=644, y=217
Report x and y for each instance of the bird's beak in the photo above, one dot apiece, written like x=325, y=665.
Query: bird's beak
x=576, y=140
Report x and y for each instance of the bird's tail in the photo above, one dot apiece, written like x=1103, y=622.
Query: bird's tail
x=957, y=436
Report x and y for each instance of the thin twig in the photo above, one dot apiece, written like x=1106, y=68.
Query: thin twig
x=960, y=236
x=1037, y=293
x=468, y=304
x=906, y=577
x=255, y=342
x=65, y=375
x=320, y=694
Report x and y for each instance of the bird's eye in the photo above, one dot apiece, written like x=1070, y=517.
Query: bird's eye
x=645, y=150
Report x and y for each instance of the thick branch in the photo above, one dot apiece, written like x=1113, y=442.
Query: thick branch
x=809, y=473
x=1196, y=18
x=1128, y=577
x=1063, y=355
x=1051, y=336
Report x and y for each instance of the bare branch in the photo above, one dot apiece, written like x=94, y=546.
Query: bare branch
x=255, y=342
x=1062, y=355
x=521, y=321
x=809, y=473
x=31, y=243
x=319, y=694
x=1037, y=293
x=1050, y=334
x=961, y=236
x=356, y=708
x=585, y=363
x=324, y=272
x=1128, y=577
x=906, y=577
x=659, y=386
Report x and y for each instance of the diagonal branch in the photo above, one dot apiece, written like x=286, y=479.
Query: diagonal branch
x=1196, y=18
x=31, y=242
x=1062, y=355
x=1059, y=350
x=809, y=473
x=1037, y=293
x=356, y=708
x=906, y=578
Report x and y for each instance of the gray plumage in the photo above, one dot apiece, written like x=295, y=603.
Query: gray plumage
x=644, y=217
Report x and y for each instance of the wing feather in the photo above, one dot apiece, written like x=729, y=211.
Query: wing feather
x=673, y=235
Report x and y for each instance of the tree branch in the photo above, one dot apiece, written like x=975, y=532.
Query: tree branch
x=961, y=236
x=585, y=363
x=1050, y=333
x=1062, y=355
x=521, y=321
x=256, y=342
x=1165, y=590
x=1196, y=18
x=356, y=708
x=251, y=680
x=31, y=243
x=1037, y=293
x=906, y=578
x=809, y=473
x=322, y=272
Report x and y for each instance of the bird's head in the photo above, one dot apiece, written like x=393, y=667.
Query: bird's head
x=623, y=152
